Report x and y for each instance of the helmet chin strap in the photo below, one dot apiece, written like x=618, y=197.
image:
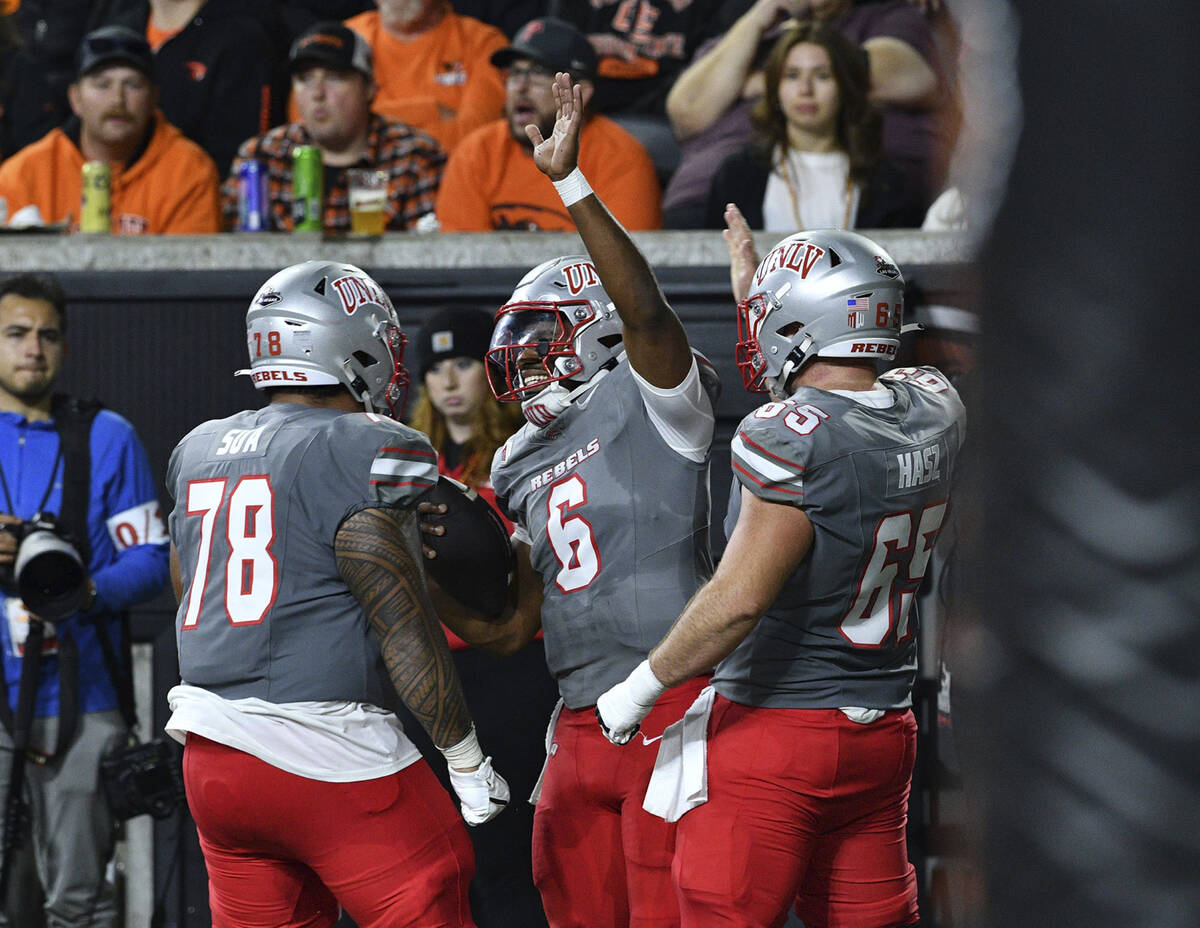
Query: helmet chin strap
x=791, y=364
x=548, y=404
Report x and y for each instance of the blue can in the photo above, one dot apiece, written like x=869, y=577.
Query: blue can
x=253, y=210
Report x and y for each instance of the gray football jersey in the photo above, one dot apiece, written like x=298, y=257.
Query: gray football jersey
x=259, y=498
x=619, y=529
x=875, y=483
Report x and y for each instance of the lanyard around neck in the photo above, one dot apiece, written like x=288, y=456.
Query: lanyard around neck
x=8, y=502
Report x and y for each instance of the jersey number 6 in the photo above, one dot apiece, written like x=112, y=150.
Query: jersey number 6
x=251, y=574
x=571, y=536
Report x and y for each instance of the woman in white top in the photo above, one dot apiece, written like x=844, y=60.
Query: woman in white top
x=816, y=160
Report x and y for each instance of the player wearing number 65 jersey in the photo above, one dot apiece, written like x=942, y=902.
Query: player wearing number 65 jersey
x=298, y=570
x=608, y=486
x=844, y=485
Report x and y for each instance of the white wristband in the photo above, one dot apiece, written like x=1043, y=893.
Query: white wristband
x=573, y=188
x=465, y=754
x=644, y=686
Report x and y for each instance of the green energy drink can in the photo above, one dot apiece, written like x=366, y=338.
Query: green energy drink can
x=307, y=188
x=95, y=214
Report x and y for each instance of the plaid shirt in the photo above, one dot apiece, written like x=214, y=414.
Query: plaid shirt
x=413, y=160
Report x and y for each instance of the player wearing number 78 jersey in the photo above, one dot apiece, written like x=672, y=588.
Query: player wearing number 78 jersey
x=296, y=560
x=844, y=484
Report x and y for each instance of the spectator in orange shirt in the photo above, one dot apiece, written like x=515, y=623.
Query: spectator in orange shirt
x=491, y=181
x=162, y=183
x=432, y=68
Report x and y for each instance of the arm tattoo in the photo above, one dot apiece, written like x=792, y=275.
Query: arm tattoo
x=376, y=552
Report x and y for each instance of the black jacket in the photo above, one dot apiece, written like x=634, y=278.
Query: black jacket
x=34, y=76
x=887, y=201
x=220, y=78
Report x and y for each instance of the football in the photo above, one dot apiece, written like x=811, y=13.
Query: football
x=475, y=561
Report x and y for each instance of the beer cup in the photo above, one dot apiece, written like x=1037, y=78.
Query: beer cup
x=368, y=197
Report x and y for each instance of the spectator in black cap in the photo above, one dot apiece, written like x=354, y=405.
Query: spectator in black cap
x=455, y=407
x=216, y=68
x=332, y=87
x=510, y=697
x=161, y=183
x=491, y=180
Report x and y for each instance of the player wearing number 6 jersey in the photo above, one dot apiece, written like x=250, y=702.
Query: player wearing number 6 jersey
x=844, y=485
x=608, y=486
x=298, y=569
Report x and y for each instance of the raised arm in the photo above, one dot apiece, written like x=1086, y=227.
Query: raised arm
x=899, y=75
x=743, y=258
x=712, y=83
x=654, y=338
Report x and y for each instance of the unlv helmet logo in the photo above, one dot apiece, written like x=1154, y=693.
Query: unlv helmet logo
x=579, y=276
x=795, y=256
x=355, y=291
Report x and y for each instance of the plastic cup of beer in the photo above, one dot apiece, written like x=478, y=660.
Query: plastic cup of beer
x=368, y=197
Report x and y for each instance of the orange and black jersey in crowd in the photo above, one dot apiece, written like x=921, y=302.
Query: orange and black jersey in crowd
x=412, y=159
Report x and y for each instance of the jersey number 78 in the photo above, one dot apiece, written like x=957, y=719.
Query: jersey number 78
x=251, y=574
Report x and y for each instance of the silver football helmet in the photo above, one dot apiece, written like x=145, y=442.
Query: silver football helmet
x=559, y=325
x=828, y=293
x=323, y=322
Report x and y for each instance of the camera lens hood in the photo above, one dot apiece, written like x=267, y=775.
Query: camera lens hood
x=50, y=577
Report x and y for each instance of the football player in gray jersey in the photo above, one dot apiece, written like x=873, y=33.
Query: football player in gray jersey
x=296, y=561
x=789, y=778
x=607, y=484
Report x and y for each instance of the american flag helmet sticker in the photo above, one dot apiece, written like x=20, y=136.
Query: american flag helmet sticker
x=856, y=311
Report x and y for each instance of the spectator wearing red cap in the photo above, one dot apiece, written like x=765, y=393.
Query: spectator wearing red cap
x=491, y=181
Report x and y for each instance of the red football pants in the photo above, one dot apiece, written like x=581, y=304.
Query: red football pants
x=599, y=859
x=283, y=850
x=804, y=805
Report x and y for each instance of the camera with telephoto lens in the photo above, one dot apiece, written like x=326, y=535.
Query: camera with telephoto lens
x=47, y=573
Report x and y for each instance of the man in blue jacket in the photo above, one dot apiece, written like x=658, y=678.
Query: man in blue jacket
x=103, y=496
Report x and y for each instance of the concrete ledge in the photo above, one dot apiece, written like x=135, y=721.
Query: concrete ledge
x=256, y=251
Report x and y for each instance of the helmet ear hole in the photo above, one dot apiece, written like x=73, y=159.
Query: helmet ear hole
x=608, y=341
x=366, y=360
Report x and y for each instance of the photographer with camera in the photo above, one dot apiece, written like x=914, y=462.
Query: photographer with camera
x=81, y=539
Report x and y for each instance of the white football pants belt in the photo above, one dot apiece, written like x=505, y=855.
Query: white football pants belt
x=679, y=782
